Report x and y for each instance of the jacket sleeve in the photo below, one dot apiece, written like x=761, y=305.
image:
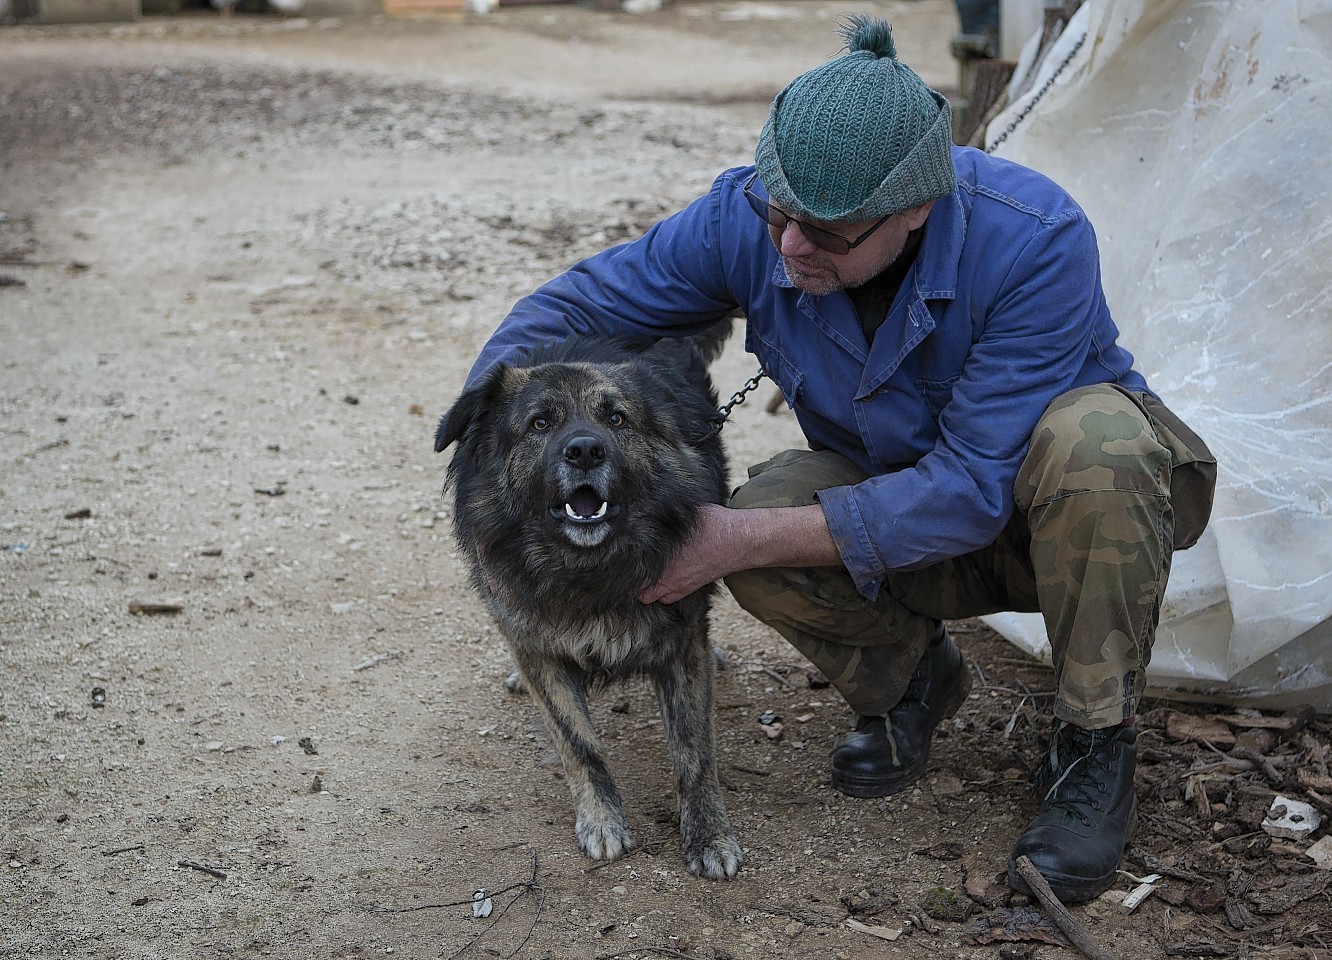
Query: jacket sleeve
x=1032, y=346
x=668, y=282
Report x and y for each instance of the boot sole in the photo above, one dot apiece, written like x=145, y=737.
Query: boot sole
x=868, y=788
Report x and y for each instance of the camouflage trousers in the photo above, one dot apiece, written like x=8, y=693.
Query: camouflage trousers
x=1112, y=484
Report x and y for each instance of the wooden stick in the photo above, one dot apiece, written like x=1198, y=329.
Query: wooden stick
x=202, y=869
x=119, y=850
x=1061, y=917
x=156, y=606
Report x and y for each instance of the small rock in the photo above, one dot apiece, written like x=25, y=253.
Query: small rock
x=1291, y=819
x=1321, y=853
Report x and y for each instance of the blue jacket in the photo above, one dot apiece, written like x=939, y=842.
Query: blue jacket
x=1001, y=312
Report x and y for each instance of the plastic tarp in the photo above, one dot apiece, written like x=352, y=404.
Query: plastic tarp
x=1196, y=136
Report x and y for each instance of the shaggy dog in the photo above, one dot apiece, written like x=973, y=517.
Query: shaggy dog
x=575, y=477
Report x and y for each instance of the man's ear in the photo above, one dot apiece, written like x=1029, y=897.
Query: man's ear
x=917, y=215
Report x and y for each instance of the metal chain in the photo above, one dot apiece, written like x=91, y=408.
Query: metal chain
x=738, y=397
x=1031, y=104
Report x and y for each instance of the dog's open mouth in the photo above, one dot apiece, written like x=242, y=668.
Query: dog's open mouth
x=585, y=505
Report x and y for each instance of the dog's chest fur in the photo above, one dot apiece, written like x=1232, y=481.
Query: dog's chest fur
x=614, y=642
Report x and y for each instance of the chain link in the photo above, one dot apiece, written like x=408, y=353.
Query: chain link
x=1031, y=104
x=738, y=397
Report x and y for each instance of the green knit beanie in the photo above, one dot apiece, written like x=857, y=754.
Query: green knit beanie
x=858, y=137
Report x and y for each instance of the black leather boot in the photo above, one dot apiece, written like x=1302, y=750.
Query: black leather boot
x=885, y=755
x=1088, y=810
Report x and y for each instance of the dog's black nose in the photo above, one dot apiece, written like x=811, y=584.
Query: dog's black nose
x=585, y=452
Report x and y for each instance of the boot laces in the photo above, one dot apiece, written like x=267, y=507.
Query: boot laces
x=920, y=677
x=1079, y=764
x=916, y=686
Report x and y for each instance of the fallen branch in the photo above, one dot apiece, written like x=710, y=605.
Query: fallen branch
x=751, y=770
x=522, y=886
x=874, y=930
x=377, y=659
x=1261, y=762
x=202, y=869
x=156, y=606
x=119, y=850
x=469, y=901
x=1153, y=865
x=1058, y=913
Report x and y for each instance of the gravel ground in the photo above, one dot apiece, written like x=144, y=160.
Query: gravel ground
x=243, y=267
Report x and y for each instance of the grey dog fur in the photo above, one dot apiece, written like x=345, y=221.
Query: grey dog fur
x=635, y=426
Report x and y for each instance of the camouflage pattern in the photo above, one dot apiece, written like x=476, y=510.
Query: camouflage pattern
x=1112, y=484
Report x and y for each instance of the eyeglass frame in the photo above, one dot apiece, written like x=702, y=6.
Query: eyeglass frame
x=765, y=211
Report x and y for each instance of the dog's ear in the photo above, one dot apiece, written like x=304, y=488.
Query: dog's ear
x=471, y=408
x=687, y=391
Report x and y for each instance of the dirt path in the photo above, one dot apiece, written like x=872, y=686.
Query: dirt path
x=246, y=266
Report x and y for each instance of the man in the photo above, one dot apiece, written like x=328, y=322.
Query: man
x=978, y=440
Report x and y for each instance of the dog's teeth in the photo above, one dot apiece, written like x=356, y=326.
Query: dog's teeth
x=575, y=515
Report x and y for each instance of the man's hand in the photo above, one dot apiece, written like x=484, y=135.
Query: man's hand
x=726, y=540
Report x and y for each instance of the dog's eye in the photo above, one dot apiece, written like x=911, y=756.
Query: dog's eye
x=617, y=419
x=540, y=424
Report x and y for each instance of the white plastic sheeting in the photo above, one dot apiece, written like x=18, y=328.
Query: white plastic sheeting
x=1197, y=135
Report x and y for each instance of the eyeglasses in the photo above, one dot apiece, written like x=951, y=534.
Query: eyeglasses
x=823, y=239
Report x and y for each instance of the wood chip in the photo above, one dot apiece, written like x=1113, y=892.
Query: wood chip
x=156, y=606
x=1016, y=925
x=1140, y=893
x=1295, y=720
x=1312, y=781
x=1321, y=853
x=1278, y=896
x=874, y=930
x=1187, y=726
x=377, y=659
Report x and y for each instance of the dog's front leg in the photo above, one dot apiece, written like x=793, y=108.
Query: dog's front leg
x=684, y=690
x=599, y=822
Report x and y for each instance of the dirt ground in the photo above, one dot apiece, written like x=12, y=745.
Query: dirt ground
x=244, y=265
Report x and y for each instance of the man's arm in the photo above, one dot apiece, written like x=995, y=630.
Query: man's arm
x=725, y=540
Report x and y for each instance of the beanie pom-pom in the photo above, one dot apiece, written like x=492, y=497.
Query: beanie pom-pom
x=871, y=34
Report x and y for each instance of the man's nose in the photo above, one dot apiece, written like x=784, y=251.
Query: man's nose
x=794, y=243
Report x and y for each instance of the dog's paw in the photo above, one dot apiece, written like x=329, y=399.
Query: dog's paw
x=604, y=839
x=717, y=858
x=513, y=682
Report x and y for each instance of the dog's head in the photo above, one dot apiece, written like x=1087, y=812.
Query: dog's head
x=590, y=443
